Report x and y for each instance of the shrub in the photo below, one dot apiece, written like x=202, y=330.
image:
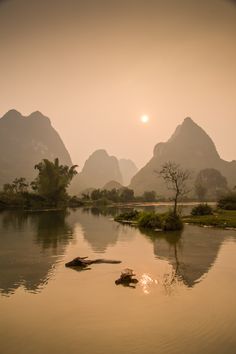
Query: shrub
x=228, y=202
x=102, y=201
x=128, y=216
x=171, y=222
x=149, y=220
x=202, y=209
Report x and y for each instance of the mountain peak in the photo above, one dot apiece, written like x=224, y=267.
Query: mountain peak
x=99, y=152
x=12, y=114
x=99, y=169
x=192, y=148
x=188, y=120
x=39, y=117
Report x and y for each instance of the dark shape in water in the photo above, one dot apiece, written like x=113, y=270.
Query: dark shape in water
x=83, y=262
x=126, y=278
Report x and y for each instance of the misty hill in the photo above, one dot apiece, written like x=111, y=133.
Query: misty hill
x=99, y=169
x=128, y=170
x=192, y=148
x=25, y=141
x=112, y=185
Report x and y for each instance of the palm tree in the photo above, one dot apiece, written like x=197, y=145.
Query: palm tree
x=53, y=180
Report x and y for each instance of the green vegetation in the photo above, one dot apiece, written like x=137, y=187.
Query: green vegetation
x=228, y=202
x=151, y=220
x=48, y=190
x=121, y=195
x=172, y=222
x=221, y=218
x=202, y=209
x=53, y=180
x=149, y=196
x=132, y=215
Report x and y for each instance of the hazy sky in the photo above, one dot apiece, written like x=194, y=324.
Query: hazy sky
x=94, y=67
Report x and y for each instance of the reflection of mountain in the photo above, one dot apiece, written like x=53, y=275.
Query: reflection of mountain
x=191, y=254
x=100, y=232
x=30, y=245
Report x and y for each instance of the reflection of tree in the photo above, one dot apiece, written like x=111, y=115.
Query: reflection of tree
x=173, y=240
x=52, y=229
x=14, y=220
x=23, y=236
x=191, y=252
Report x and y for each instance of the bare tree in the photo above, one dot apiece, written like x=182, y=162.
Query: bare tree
x=176, y=180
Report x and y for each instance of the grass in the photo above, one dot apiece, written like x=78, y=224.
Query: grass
x=221, y=218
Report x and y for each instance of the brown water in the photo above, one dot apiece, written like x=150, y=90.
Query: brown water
x=184, y=302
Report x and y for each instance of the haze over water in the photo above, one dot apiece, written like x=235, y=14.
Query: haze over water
x=184, y=302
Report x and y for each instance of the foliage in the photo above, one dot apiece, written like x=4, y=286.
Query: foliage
x=132, y=215
x=115, y=195
x=202, y=209
x=126, y=195
x=49, y=188
x=172, y=222
x=221, y=219
x=150, y=220
x=228, y=202
x=19, y=185
x=53, y=180
x=75, y=202
x=149, y=196
x=176, y=180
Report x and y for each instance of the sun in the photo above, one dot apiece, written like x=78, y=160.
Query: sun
x=144, y=119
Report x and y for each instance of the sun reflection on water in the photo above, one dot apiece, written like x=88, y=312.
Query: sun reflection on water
x=146, y=282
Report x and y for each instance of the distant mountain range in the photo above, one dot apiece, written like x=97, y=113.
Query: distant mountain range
x=189, y=146
x=25, y=141
x=101, y=170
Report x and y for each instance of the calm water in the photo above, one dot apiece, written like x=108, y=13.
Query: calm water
x=184, y=302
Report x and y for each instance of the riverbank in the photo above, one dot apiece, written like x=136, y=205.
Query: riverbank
x=224, y=219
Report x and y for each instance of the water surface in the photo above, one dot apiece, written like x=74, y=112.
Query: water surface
x=184, y=302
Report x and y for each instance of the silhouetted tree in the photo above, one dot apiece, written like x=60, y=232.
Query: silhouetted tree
x=149, y=196
x=176, y=180
x=19, y=185
x=126, y=195
x=53, y=180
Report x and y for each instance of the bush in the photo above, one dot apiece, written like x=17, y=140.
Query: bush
x=152, y=220
x=171, y=222
x=202, y=209
x=149, y=220
x=149, y=196
x=132, y=215
x=228, y=202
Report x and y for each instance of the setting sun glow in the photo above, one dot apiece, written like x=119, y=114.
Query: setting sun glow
x=144, y=119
